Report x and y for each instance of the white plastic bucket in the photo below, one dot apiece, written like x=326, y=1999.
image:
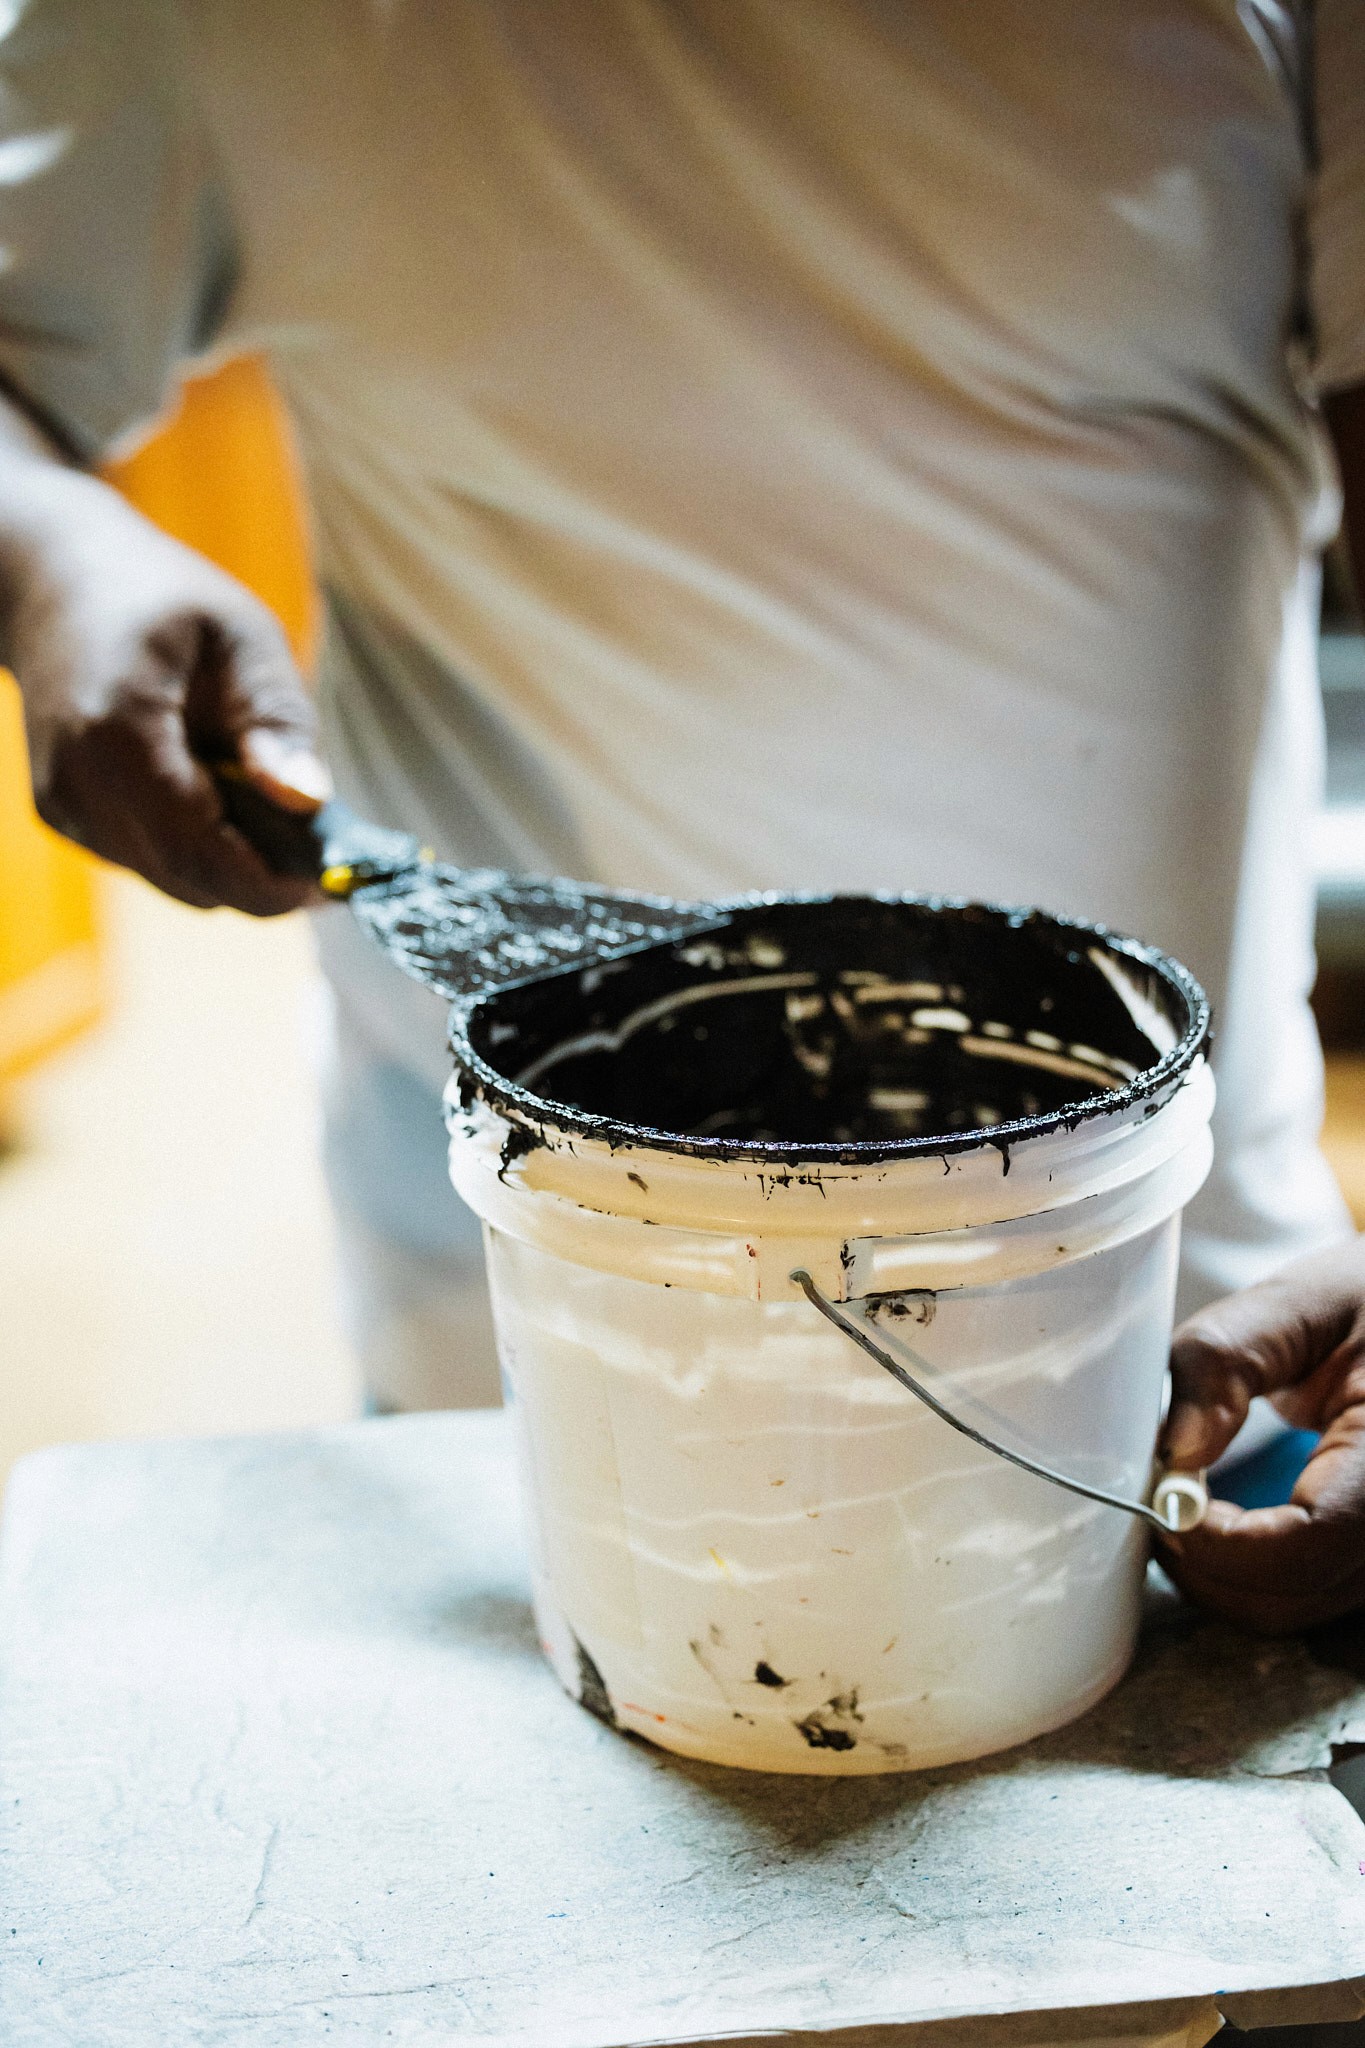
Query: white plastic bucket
x=750, y=1544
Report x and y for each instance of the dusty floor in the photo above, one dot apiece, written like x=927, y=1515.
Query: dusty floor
x=165, y=1263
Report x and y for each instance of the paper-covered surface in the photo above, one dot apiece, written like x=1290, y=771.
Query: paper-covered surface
x=282, y=1762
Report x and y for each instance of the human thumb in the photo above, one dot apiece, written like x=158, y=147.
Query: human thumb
x=284, y=768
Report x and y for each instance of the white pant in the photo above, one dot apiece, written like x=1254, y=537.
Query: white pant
x=414, y=1299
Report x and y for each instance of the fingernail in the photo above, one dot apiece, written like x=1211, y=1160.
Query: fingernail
x=290, y=766
x=1184, y=1433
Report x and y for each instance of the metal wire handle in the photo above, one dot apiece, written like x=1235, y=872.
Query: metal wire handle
x=1179, y=1501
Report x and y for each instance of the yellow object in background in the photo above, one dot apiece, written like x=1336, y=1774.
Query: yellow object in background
x=50, y=982
x=220, y=476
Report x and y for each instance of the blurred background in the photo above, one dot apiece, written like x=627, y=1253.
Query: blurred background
x=157, y=1064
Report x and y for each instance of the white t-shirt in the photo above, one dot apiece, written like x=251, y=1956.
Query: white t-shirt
x=786, y=443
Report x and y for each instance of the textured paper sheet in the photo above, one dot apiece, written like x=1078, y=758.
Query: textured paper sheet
x=282, y=1763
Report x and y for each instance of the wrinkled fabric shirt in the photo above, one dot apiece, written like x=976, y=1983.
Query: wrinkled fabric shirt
x=770, y=443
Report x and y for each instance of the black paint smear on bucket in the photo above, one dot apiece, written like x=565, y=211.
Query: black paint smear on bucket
x=820, y=1737
x=518, y=1142
x=592, y=1689
x=853, y=1028
x=815, y=1729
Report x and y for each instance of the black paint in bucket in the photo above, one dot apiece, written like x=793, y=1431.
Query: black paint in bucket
x=841, y=1027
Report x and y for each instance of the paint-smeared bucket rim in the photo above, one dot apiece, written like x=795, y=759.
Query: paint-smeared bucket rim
x=542, y=1118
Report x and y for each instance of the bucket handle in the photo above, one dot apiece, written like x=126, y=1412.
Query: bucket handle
x=1180, y=1500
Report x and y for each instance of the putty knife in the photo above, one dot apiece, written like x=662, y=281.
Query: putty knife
x=459, y=930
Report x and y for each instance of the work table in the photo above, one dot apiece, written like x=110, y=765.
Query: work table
x=282, y=1763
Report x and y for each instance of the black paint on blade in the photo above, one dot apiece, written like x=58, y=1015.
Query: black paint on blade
x=462, y=932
